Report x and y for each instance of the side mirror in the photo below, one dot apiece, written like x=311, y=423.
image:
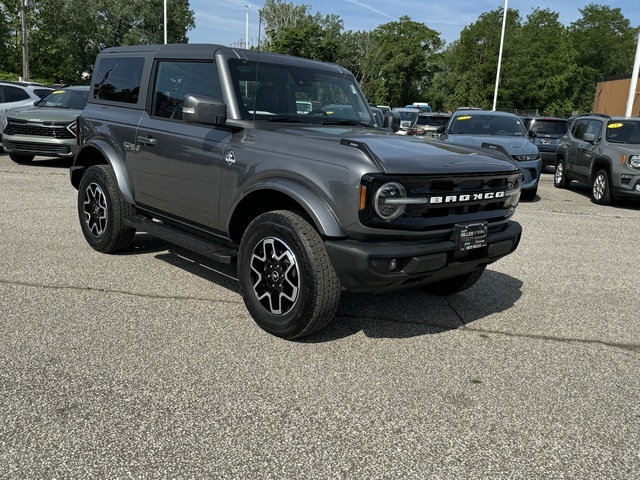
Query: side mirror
x=532, y=134
x=589, y=137
x=440, y=130
x=204, y=109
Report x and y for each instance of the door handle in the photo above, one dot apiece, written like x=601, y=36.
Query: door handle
x=147, y=140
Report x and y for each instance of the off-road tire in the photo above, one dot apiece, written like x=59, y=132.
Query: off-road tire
x=455, y=284
x=286, y=279
x=19, y=158
x=102, y=210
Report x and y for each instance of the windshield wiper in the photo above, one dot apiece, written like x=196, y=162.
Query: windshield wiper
x=285, y=120
x=345, y=122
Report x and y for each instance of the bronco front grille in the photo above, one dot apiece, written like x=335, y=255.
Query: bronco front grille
x=444, y=201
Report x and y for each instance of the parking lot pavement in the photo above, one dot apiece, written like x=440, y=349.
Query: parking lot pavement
x=147, y=365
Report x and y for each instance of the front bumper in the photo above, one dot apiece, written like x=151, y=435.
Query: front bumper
x=364, y=266
x=33, y=145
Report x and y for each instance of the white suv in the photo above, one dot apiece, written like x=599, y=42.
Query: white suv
x=15, y=95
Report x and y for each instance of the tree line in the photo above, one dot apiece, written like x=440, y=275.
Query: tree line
x=546, y=67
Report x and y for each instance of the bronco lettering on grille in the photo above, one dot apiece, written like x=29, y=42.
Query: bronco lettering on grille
x=467, y=197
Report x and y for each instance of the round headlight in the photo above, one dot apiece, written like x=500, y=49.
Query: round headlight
x=384, y=203
x=634, y=161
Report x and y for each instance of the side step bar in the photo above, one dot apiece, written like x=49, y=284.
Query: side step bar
x=212, y=250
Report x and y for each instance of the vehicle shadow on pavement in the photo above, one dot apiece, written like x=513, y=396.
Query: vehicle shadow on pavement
x=400, y=314
x=412, y=312
x=585, y=191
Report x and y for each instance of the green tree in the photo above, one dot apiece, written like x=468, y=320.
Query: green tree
x=539, y=73
x=66, y=35
x=405, y=61
x=474, y=60
x=605, y=44
x=292, y=30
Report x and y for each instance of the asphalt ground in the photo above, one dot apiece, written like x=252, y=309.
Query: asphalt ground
x=147, y=365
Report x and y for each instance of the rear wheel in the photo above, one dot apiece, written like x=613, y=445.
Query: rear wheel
x=18, y=158
x=102, y=211
x=286, y=279
x=601, y=188
x=455, y=284
x=560, y=179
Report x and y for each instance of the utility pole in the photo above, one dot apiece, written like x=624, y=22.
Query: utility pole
x=24, y=5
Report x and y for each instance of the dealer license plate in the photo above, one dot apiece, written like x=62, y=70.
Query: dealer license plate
x=471, y=235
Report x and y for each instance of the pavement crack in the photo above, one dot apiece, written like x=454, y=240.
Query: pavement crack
x=123, y=292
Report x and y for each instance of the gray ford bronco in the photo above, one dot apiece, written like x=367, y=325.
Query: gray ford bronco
x=206, y=147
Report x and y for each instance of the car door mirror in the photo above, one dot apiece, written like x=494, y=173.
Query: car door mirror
x=589, y=137
x=204, y=109
x=392, y=121
x=532, y=134
x=440, y=130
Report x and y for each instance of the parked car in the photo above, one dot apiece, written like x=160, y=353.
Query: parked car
x=15, y=95
x=47, y=128
x=604, y=152
x=547, y=132
x=406, y=117
x=307, y=205
x=427, y=123
x=498, y=131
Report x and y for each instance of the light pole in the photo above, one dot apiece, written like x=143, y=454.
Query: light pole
x=246, y=26
x=24, y=5
x=165, y=22
x=634, y=82
x=504, y=24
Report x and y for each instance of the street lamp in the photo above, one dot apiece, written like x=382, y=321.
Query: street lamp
x=165, y=22
x=504, y=24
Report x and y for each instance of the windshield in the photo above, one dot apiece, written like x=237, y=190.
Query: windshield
x=487, y=124
x=431, y=121
x=548, y=127
x=65, y=99
x=278, y=92
x=624, y=131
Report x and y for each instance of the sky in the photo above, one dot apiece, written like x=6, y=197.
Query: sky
x=224, y=21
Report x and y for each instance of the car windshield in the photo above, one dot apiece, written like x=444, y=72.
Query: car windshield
x=548, y=126
x=289, y=93
x=407, y=115
x=624, y=131
x=65, y=99
x=487, y=124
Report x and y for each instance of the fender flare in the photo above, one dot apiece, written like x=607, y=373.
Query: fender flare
x=84, y=160
x=318, y=210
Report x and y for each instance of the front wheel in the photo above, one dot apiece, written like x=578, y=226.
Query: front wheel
x=560, y=179
x=601, y=188
x=286, y=279
x=102, y=211
x=455, y=284
x=18, y=158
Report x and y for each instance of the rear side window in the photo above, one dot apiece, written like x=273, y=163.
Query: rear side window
x=118, y=79
x=14, y=94
x=175, y=79
x=580, y=128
